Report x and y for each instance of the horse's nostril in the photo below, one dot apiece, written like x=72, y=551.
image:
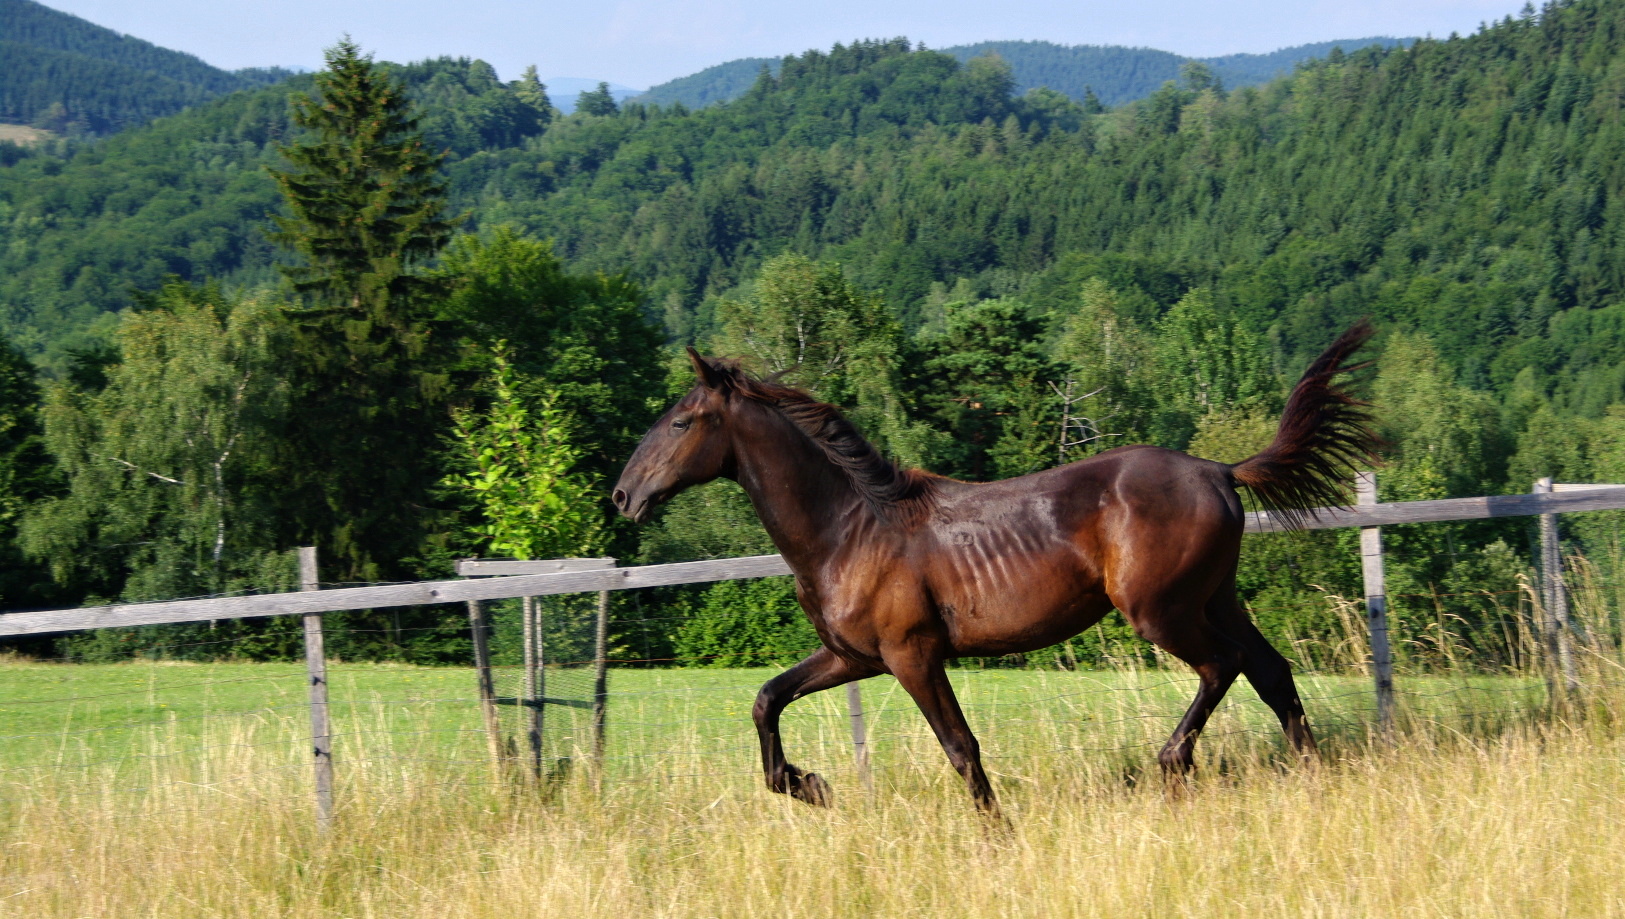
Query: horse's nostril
x=619, y=498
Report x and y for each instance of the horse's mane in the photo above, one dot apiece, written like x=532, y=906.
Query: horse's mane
x=884, y=486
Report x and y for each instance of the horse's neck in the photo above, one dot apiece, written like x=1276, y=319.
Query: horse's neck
x=803, y=499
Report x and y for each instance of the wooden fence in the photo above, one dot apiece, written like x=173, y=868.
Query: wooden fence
x=493, y=580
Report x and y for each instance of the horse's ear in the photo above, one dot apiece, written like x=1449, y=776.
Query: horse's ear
x=709, y=378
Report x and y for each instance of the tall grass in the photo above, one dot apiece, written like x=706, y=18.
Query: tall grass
x=1486, y=802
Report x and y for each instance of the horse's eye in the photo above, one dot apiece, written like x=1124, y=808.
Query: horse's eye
x=680, y=424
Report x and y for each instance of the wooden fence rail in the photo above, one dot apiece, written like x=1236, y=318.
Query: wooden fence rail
x=428, y=593
x=423, y=593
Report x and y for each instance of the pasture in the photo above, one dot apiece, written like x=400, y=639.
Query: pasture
x=177, y=790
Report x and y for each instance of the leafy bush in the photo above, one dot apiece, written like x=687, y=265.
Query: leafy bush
x=745, y=624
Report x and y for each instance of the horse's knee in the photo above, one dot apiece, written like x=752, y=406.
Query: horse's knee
x=963, y=752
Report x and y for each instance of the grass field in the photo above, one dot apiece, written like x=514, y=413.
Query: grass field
x=184, y=790
x=23, y=134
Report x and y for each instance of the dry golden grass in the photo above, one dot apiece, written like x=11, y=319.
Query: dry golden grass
x=1514, y=815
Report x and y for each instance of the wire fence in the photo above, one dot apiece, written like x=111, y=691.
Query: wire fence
x=126, y=737
x=165, y=732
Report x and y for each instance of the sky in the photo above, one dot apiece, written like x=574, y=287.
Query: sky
x=640, y=43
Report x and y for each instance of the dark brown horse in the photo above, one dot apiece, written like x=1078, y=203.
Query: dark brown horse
x=900, y=570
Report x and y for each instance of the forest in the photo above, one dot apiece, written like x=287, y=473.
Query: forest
x=1111, y=74
x=73, y=78
x=201, y=373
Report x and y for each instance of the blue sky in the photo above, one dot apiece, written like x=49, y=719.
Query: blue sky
x=639, y=43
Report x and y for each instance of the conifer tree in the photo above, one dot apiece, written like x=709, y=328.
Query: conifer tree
x=25, y=472
x=598, y=101
x=530, y=90
x=366, y=205
x=366, y=196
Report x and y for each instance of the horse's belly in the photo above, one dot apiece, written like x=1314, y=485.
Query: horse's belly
x=1020, y=618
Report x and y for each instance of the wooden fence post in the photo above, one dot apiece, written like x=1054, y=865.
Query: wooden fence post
x=535, y=681
x=1554, y=595
x=600, y=686
x=860, y=735
x=321, y=734
x=479, y=624
x=1376, y=603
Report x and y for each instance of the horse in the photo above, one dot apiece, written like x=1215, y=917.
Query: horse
x=900, y=570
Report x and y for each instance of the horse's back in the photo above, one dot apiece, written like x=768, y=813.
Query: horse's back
x=1160, y=486
x=1021, y=563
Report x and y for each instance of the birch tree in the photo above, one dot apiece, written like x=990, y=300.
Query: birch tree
x=167, y=467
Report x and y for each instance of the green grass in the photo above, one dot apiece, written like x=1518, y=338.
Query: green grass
x=180, y=790
x=677, y=725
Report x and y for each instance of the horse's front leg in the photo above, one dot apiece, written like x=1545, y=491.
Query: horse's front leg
x=822, y=670
x=918, y=666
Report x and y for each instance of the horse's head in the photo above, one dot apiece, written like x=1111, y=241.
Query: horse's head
x=689, y=445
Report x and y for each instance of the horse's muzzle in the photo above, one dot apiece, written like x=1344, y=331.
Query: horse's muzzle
x=635, y=509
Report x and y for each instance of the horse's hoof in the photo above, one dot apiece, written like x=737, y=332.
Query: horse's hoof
x=811, y=788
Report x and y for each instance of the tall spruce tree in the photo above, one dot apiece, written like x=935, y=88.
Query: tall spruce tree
x=26, y=475
x=366, y=205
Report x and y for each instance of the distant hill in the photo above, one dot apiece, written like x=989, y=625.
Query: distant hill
x=1252, y=69
x=1117, y=75
x=562, y=91
x=68, y=75
x=714, y=84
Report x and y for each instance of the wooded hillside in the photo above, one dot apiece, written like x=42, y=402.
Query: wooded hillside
x=67, y=75
x=965, y=255
x=1113, y=74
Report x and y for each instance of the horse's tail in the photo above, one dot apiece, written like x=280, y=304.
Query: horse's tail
x=1325, y=434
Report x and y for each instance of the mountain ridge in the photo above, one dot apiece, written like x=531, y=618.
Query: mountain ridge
x=69, y=75
x=1116, y=74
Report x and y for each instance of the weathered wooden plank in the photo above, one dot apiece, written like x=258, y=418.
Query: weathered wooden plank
x=1554, y=596
x=426, y=593
x=539, y=585
x=534, y=681
x=600, y=685
x=860, y=734
x=1376, y=603
x=503, y=567
x=1600, y=498
x=541, y=701
x=321, y=735
x=479, y=624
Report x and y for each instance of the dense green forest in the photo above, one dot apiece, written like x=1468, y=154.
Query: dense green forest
x=70, y=76
x=966, y=254
x=1113, y=75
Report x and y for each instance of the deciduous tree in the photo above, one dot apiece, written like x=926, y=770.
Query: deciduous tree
x=170, y=482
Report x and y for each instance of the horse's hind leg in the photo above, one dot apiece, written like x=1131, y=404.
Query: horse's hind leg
x=821, y=670
x=1271, y=677
x=1186, y=634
